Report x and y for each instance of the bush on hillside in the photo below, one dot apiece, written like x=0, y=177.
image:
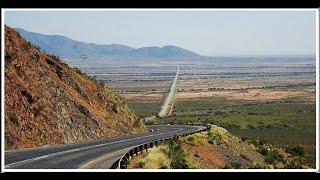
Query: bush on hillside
x=177, y=155
x=296, y=151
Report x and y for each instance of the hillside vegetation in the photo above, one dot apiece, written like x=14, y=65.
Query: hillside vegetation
x=48, y=103
x=219, y=149
x=286, y=123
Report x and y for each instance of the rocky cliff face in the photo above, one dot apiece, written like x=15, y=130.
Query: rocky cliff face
x=47, y=102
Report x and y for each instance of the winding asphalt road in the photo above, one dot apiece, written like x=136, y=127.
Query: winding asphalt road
x=93, y=154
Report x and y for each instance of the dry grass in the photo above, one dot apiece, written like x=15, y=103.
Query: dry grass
x=156, y=158
x=242, y=82
x=253, y=95
x=219, y=152
x=143, y=97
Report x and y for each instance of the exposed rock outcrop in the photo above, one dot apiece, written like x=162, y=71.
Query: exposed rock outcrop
x=47, y=102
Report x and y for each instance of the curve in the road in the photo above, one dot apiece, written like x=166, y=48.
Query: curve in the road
x=76, y=155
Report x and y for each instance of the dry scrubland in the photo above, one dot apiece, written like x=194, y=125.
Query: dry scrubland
x=273, y=103
x=145, y=104
x=280, y=112
x=253, y=95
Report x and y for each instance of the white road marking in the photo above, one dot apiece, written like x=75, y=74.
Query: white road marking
x=79, y=149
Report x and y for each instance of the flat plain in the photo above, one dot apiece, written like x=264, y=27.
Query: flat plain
x=274, y=101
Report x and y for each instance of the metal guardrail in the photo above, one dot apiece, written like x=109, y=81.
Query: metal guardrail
x=122, y=163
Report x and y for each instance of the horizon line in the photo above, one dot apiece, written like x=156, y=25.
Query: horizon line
x=313, y=55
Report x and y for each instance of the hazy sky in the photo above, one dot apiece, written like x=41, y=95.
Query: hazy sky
x=208, y=33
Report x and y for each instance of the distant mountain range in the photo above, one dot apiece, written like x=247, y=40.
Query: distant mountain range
x=71, y=49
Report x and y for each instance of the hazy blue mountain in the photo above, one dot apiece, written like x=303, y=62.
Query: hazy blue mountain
x=71, y=49
x=164, y=52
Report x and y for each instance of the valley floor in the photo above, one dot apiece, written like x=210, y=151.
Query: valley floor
x=266, y=103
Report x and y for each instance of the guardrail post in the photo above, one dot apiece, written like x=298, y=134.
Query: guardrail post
x=127, y=156
x=124, y=164
x=131, y=153
x=146, y=147
x=135, y=151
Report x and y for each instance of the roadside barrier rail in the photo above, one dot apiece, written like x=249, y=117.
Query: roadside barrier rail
x=122, y=163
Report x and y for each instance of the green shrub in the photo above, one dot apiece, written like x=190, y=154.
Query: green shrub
x=257, y=166
x=10, y=55
x=294, y=164
x=54, y=57
x=214, y=138
x=77, y=70
x=177, y=155
x=296, y=151
x=264, y=151
x=273, y=157
x=91, y=78
x=190, y=138
x=37, y=47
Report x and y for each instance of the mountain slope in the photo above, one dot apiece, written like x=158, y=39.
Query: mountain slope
x=164, y=52
x=47, y=102
x=71, y=49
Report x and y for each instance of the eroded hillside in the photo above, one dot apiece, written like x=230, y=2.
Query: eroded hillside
x=47, y=102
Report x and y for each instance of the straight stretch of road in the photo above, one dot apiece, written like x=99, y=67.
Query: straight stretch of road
x=168, y=103
x=93, y=154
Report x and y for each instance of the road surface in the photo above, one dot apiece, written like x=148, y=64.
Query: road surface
x=168, y=103
x=93, y=154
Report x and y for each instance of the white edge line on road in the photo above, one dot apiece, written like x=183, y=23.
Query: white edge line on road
x=88, y=164
x=80, y=149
